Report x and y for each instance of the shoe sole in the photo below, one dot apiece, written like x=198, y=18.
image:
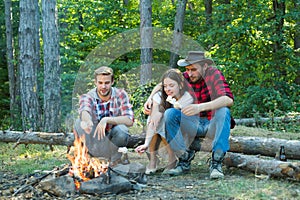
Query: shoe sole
x=216, y=175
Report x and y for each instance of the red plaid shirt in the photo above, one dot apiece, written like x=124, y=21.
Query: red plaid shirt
x=212, y=86
x=118, y=105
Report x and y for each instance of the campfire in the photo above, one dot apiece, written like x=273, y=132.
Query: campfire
x=84, y=167
x=91, y=175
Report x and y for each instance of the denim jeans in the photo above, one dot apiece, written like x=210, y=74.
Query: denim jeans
x=182, y=129
x=108, y=146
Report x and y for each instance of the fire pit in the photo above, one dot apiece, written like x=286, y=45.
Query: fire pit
x=91, y=175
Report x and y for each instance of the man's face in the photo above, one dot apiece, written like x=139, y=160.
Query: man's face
x=195, y=71
x=104, y=84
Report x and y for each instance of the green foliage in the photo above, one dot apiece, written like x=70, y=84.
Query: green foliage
x=257, y=58
x=265, y=100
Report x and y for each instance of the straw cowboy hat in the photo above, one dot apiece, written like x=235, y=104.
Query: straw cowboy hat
x=194, y=57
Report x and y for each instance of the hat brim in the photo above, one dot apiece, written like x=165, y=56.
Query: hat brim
x=184, y=62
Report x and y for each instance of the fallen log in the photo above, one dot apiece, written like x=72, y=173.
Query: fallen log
x=256, y=122
x=246, y=145
x=64, y=139
x=272, y=168
x=265, y=146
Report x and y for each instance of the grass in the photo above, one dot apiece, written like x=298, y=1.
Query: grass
x=238, y=183
x=25, y=159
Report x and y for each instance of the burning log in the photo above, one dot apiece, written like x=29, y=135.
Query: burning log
x=272, y=168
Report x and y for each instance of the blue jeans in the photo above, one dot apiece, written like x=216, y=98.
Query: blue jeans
x=109, y=145
x=182, y=129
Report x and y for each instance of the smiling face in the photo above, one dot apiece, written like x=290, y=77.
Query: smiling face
x=104, y=84
x=171, y=87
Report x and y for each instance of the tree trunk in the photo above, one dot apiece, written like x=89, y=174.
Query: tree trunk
x=279, y=12
x=256, y=122
x=52, y=81
x=273, y=168
x=297, y=39
x=65, y=139
x=208, y=12
x=29, y=63
x=10, y=64
x=246, y=145
x=177, y=35
x=259, y=146
x=146, y=41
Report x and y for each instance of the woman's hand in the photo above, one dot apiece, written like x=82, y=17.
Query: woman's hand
x=147, y=106
x=141, y=149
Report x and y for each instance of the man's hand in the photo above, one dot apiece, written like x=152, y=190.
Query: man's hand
x=147, y=106
x=100, y=129
x=87, y=126
x=192, y=109
x=141, y=149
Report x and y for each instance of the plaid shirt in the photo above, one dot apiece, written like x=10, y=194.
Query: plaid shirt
x=212, y=86
x=118, y=105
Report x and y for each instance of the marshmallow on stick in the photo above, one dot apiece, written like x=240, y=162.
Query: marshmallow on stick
x=173, y=101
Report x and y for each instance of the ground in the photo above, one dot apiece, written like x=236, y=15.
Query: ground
x=237, y=183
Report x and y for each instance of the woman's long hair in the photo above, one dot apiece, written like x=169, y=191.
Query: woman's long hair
x=177, y=76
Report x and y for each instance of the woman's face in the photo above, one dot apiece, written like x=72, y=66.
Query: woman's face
x=171, y=88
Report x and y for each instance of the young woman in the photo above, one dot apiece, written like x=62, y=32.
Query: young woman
x=173, y=93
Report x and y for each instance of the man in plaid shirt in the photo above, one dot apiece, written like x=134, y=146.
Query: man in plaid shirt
x=105, y=114
x=208, y=117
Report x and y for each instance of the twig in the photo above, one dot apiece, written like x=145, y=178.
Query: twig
x=24, y=187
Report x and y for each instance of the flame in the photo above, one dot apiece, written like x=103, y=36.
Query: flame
x=83, y=166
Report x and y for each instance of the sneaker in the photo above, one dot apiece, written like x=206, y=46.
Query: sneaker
x=196, y=145
x=216, y=171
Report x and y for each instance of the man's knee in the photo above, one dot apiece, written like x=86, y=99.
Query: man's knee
x=120, y=135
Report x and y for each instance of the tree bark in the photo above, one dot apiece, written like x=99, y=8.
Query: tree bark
x=146, y=41
x=177, y=35
x=246, y=145
x=52, y=81
x=259, y=146
x=208, y=12
x=273, y=168
x=254, y=122
x=29, y=63
x=10, y=56
x=64, y=139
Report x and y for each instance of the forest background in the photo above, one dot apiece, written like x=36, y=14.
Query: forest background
x=256, y=44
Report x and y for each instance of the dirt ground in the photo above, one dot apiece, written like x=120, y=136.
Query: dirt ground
x=193, y=185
